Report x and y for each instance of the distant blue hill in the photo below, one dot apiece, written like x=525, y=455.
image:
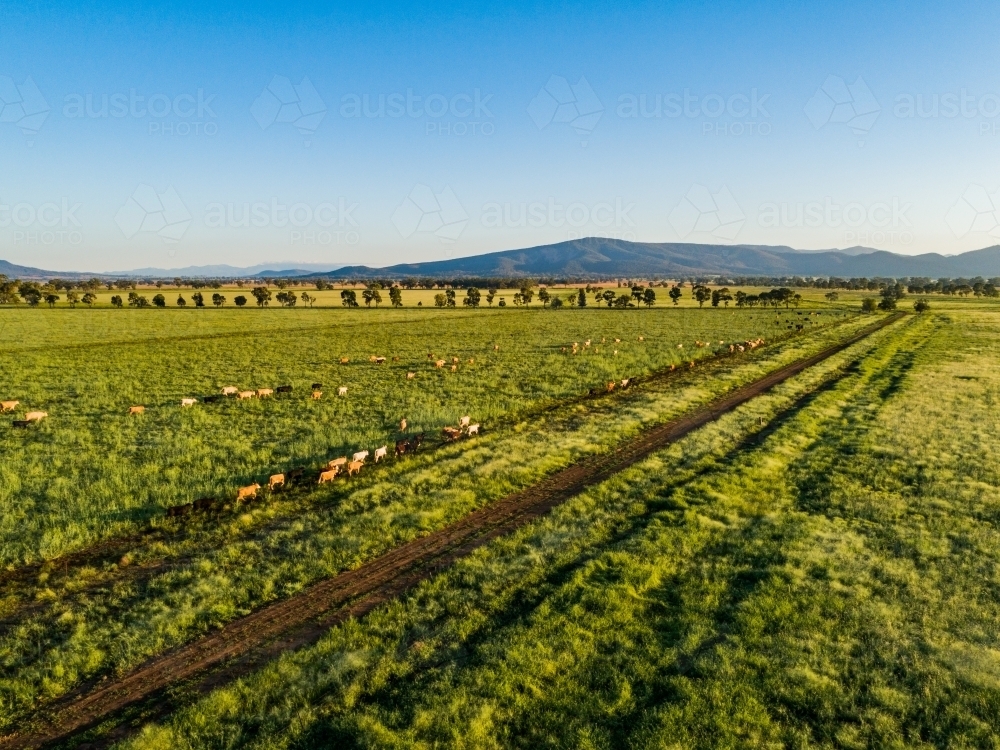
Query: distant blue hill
x=600, y=258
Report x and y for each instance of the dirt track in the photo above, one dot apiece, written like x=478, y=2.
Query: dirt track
x=247, y=643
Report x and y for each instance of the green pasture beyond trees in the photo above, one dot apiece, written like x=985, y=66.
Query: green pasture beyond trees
x=90, y=470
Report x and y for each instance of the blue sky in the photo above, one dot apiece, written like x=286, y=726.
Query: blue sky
x=208, y=133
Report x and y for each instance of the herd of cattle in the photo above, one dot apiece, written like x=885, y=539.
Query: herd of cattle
x=29, y=418
x=330, y=471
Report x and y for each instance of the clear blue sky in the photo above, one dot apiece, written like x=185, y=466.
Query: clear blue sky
x=751, y=122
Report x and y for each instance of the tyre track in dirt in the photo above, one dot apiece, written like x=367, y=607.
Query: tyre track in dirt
x=248, y=643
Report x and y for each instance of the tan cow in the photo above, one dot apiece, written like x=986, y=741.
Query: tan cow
x=641, y=338
x=381, y=453
x=8, y=405
x=439, y=363
x=464, y=421
x=230, y=390
x=264, y=392
x=136, y=409
x=243, y=395
x=611, y=386
x=454, y=360
x=329, y=475
x=354, y=467
x=344, y=360
x=317, y=395
x=247, y=493
x=472, y=361
x=402, y=425
x=276, y=480
x=35, y=416
x=372, y=358
x=188, y=402
x=496, y=347
x=454, y=368
x=336, y=462
x=692, y=363
x=411, y=375
x=342, y=390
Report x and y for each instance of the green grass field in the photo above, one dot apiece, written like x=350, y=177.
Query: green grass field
x=830, y=582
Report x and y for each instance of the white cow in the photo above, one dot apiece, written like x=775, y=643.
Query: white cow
x=464, y=421
x=360, y=456
x=473, y=429
x=230, y=390
x=381, y=453
x=188, y=402
x=342, y=391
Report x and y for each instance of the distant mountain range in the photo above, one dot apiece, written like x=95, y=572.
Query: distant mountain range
x=597, y=258
x=600, y=258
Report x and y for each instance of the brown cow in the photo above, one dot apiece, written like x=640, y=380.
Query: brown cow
x=328, y=475
x=354, y=467
x=35, y=416
x=344, y=360
x=8, y=405
x=450, y=433
x=336, y=462
x=264, y=392
x=611, y=386
x=242, y=395
x=395, y=359
x=317, y=395
x=179, y=510
x=136, y=409
x=276, y=480
x=247, y=493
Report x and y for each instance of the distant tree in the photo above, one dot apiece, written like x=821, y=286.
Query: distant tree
x=623, y=301
x=307, y=299
x=472, y=297
x=609, y=297
x=518, y=299
x=287, y=299
x=159, y=300
x=502, y=303
x=675, y=293
x=377, y=296
x=218, y=300
x=440, y=300
x=701, y=294
x=281, y=283
x=89, y=299
x=178, y=282
x=527, y=292
x=721, y=295
x=450, y=297
x=349, y=298
x=832, y=296
x=199, y=299
x=159, y=283
x=649, y=296
x=116, y=301
x=921, y=305
x=240, y=301
x=637, y=292
x=395, y=296
x=31, y=295
x=581, y=298
x=262, y=294
x=72, y=298
x=544, y=297
x=796, y=299
x=490, y=294
x=137, y=300
x=51, y=299
x=869, y=305
x=556, y=303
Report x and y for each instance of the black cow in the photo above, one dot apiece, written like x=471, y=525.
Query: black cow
x=284, y=389
x=211, y=399
x=317, y=386
x=179, y=510
x=22, y=423
x=294, y=475
x=401, y=447
x=204, y=503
